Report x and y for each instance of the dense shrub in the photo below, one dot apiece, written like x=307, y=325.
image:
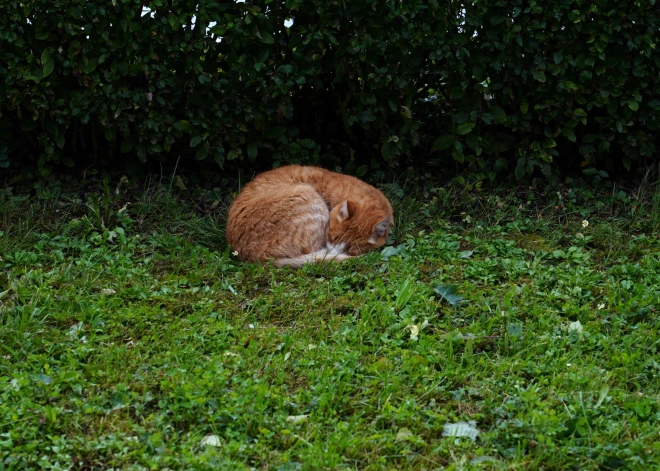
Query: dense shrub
x=522, y=85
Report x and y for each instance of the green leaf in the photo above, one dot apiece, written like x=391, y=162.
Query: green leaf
x=45, y=379
x=549, y=142
x=218, y=29
x=524, y=107
x=173, y=21
x=461, y=117
x=367, y=116
x=633, y=104
x=514, y=330
x=47, y=62
x=571, y=135
x=392, y=105
x=465, y=128
x=42, y=34
x=126, y=146
x=404, y=294
x=194, y=142
x=308, y=143
x=142, y=153
x=201, y=153
x=443, y=142
x=386, y=151
x=539, y=75
x=500, y=164
x=178, y=182
x=392, y=251
x=558, y=57
x=498, y=114
x=274, y=133
x=267, y=37
x=520, y=168
x=405, y=112
x=448, y=293
x=233, y=154
x=252, y=151
x=88, y=65
x=183, y=125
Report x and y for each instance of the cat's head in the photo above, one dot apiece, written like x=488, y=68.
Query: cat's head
x=358, y=228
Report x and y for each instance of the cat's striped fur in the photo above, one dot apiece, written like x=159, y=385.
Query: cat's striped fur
x=295, y=215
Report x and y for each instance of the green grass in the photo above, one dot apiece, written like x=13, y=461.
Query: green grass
x=127, y=337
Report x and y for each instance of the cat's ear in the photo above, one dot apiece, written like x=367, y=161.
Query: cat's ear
x=346, y=210
x=343, y=211
x=381, y=228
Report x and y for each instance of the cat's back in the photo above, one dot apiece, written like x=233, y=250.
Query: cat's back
x=276, y=215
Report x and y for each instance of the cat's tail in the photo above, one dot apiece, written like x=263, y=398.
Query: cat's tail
x=314, y=257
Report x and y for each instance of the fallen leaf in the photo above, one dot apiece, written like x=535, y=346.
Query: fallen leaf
x=210, y=440
x=403, y=434
x=483, y=459
x=388, y=252
x=178, y=182
x=414, y=332
x=575, y=327
x=448, y=293
x=466, y=254
x=296, y=419
x=461, y=429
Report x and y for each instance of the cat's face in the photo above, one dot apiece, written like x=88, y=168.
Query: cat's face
x=356, y=230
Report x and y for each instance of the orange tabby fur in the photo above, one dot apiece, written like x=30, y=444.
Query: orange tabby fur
x=295, y=215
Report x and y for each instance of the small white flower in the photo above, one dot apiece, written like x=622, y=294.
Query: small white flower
x=568, y=364
x=235, y=253
x=585, y=223
x=601, y=306
x=251, y=326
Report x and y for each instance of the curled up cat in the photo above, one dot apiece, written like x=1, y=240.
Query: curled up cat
x=295, y=214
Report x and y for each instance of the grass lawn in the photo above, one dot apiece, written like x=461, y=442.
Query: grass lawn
x=133, y=340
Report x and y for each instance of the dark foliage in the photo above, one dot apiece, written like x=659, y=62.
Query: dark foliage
x=496, y=85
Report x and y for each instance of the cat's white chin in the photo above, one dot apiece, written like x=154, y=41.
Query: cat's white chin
x=336, y=249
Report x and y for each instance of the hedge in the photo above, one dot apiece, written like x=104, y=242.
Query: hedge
x=495, y=85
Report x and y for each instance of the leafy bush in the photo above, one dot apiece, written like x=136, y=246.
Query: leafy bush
x=498, y=84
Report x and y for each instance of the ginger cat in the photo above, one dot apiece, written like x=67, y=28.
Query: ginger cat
x=295, y=215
